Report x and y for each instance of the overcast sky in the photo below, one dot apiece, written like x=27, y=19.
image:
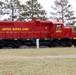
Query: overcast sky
x=47, y=5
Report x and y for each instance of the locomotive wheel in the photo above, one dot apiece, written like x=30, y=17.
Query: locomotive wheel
x=54, y=44
x=30, y=43
x=1, y=45
x=50, y=45
x=63, y=44
x=69, y=43
x=15, y=44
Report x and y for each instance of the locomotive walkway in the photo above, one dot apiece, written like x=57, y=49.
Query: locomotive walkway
x=37, y=57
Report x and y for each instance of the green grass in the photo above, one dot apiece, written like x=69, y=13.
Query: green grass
x=38, y=67
x=38, y=52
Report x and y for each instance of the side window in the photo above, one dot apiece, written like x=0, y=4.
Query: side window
x=58, y=27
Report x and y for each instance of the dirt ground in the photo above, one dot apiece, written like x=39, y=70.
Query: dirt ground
x=37, y=57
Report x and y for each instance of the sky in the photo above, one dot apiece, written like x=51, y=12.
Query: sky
x=47, y=5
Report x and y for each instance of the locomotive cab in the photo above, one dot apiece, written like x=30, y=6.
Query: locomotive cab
x=61, y=35
x=57, y=29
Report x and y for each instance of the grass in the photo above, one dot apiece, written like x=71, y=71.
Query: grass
x=38, y=52
x=38, y=67
x=46, y=66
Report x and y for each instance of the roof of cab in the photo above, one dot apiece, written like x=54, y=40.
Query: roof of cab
x=57, y=22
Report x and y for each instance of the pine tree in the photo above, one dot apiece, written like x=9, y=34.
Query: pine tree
x=1, y=7
x=63, y=10
x=70, y=18
x=13, y=9
x=33, y=10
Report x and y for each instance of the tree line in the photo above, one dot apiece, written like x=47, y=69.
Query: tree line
x=31, y=9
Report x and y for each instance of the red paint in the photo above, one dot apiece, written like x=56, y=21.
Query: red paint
x=34, y=29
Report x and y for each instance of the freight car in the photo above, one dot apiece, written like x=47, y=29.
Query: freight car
x=50, y=33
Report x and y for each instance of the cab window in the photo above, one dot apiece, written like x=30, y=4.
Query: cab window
x=58, y=27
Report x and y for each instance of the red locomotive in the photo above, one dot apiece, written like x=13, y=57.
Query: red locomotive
x=51, y=33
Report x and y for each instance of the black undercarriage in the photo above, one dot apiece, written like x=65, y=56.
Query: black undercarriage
x=50, y=42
